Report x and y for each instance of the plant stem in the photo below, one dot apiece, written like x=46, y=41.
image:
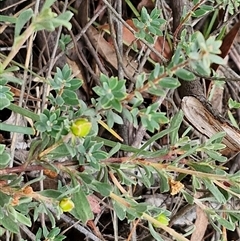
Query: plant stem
x=17, y=45
x=149, y=218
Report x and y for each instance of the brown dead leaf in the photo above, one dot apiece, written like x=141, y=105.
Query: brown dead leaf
x=227, y=43
x=106, y=50
x=200, y=225
x=161, y=44
x=175, y=186
x=94, y=204
x=146, y=3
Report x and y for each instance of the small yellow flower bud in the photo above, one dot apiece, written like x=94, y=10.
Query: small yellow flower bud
x=162, y=219
x=66, y=205
x=81, y=127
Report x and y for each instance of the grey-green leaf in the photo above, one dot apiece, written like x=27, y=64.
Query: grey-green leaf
x=185, y=74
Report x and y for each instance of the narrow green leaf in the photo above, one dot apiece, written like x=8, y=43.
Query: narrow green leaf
x=17, y=129
x=63, y=20
x=215, y=155
x=115, y=149
x=153, y=139
x=189, y=198
x=176, y=122
x=120, y=210
x=214, y=190
x=47, y=4
x=225, y=223
x=82, y=208
x=169, y=82
x=23, y=219
x=23, y=112
x=9, y=19
x=103, y=188
x=22, y=19
x=164, y=186
x=185, y=74
x=9, y=224
x=4, y=199
x=4, y=159
x=50, y=193
x=154, y=233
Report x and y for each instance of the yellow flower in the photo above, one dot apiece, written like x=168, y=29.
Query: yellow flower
x=66, y=205
x=81, y=127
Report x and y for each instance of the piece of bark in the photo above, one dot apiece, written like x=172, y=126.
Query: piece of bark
x=209, y=124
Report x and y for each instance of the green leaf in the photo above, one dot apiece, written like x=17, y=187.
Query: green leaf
x=125, y=179
x=2, y=147
x=185, y=74
x=116, y=105
x=4, y=199
x=140, y=80
x=144, y=15
x=4, y=159
x=70, y=97
x=216, y=138
x=164, y=186
x=225, y=223
x=202, y=167
x=9, y=224
x=22, y=19
x=169, y=82
x=60, y=151
x=199, y=13
x=47, y=4
x=6, y=77
x=155, y=13
x=216, y=59
x=216, y=155
x=113, y=118
x=75, y=84
x=17, y=129
x=103, y=188
x=114, y=150
x=155, y=235
x=214, y=190
x=233, y=104
x=149, y=38
x=189, y=198
x=23, y=219
x=50, y=193
x=163, y=219
x=23, y=112
x=176, y=122
x=141, y=34
x=9, y=19
x=82, y=208
x=63, y=20
x=4, y=103
x=177, y=56
x=153, y=139
x=120, y=210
